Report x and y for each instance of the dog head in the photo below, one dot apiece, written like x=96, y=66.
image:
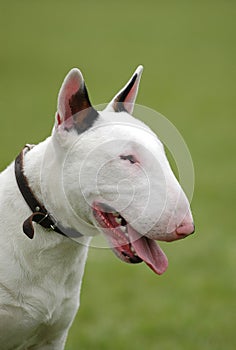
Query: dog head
x=116, y=175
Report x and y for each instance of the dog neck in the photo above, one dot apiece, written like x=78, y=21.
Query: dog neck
x=39, y=215
x=42, y=169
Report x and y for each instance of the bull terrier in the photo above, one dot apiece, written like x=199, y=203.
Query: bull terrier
x=99, y=171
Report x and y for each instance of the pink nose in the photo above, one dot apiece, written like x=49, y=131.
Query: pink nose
x=185, y=229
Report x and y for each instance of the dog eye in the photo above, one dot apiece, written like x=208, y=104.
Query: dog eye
x=130, y=158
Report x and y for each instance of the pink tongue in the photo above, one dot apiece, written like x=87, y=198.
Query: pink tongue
x=149, y=251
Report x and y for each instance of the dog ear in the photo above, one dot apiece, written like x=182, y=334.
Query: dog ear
x=125, y=99
x=74, y=109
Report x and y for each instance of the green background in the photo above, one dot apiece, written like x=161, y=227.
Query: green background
x=188, y=52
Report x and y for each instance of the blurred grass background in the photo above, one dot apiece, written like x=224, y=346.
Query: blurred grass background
x=188, y=52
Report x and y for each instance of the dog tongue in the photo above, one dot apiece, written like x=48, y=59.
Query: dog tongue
x=149, y=251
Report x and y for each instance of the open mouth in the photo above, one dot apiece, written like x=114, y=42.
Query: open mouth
x=127, y=243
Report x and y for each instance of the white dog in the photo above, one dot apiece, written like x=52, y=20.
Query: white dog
x=98, y=172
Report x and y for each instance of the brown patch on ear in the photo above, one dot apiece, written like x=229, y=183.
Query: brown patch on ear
x=85, y=119
x=120, y=99
x=84, y=115
x=79, y=101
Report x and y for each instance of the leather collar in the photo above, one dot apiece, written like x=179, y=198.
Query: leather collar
x=39, y=215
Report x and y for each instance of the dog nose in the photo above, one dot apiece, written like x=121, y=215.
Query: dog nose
x=185, y=229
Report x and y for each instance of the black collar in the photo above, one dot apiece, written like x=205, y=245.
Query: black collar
x=40, y=214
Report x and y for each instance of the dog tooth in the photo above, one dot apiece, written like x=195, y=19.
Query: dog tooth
x=132, y=250
x=123, y=229
x=118, y=220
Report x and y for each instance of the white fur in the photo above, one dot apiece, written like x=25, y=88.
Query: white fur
x=40, y=279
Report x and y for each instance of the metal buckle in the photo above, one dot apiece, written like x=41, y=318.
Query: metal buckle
x=53, y=226
x=51, y=217
x=45, y=217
